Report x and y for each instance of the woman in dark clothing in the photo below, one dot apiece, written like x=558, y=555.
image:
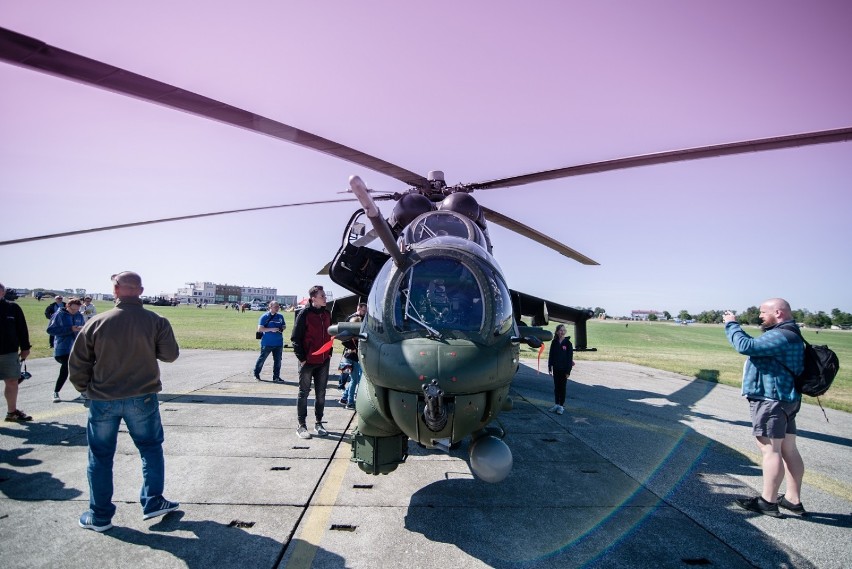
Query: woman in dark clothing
x=559, y=364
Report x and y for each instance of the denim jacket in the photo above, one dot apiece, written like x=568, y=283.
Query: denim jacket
x=764, y=376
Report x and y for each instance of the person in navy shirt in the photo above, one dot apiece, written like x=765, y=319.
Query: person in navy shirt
x=272, y=325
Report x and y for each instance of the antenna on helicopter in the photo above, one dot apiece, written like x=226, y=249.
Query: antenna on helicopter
x=380, y=224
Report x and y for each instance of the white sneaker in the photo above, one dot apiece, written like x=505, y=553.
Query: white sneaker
x=553, y=409
x=56, y=398
x=81, y=397
x=560, y=409
x=319, y=430
x=303, y=433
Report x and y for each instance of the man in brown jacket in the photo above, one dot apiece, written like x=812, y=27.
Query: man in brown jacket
x=114, y=362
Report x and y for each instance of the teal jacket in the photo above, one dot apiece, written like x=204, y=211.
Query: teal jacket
x=764, y=375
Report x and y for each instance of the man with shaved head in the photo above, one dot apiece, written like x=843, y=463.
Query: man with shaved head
x=114, y=362
x=769, y=386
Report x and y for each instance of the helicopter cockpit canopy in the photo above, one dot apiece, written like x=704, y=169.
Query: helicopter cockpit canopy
x=463, y=296
x=441, y=223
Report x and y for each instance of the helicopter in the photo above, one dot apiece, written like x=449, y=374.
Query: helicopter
x=441, y=341
x=440, y=344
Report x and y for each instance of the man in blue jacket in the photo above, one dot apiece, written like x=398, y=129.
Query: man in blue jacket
x=768, y=384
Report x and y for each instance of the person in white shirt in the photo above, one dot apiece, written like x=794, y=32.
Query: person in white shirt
x=88, y=309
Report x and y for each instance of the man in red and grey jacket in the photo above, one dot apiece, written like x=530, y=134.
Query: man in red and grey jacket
x=312, y=346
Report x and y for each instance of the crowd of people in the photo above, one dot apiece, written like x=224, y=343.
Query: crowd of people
x=112, y=358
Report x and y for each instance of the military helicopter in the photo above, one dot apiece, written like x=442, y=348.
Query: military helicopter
x=441, y=341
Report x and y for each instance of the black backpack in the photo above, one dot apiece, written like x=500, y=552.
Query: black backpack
x=821, y=367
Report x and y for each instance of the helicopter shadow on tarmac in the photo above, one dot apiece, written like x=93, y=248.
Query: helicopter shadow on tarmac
x=606, y=484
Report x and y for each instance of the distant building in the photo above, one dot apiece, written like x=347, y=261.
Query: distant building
x=197, y=292
x=645, y=314
x=214, y=293
x=287, y=299
x=228, y=294
x=261, y=294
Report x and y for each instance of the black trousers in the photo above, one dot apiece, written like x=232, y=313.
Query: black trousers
x=318, y=373
x=560, y=382
x=63, y=372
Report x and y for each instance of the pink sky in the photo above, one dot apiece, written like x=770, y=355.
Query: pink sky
x=481, y=90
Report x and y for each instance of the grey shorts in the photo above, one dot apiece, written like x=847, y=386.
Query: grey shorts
x=10, y=366
x=773, y=419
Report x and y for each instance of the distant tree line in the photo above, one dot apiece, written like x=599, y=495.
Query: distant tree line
x=752, y=316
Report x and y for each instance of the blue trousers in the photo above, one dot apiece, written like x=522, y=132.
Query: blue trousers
x=276, y=360
x=354, y=380
x=142, y=417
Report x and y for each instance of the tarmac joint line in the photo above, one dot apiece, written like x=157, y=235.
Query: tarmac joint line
x=317, y=519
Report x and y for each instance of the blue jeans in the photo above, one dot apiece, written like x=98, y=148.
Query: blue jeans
x=354, y=379
x=142, y=417
x=276, y=360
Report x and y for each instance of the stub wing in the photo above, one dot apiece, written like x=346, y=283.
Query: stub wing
x=541, y=311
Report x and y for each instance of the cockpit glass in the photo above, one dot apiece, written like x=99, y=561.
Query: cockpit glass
x=502, y=303
x=436, y=224
x=439, y=294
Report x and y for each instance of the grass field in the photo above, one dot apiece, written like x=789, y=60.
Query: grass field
x=701, y=351
x=697, y=350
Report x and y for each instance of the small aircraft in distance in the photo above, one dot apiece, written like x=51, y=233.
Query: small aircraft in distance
x=441, y=341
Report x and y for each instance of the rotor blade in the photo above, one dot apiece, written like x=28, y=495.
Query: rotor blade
x=164, y=220
x=759, y=145
x=541, y=238
x=30, y=53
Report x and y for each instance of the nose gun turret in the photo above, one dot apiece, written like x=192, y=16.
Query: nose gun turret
x=435, y=414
